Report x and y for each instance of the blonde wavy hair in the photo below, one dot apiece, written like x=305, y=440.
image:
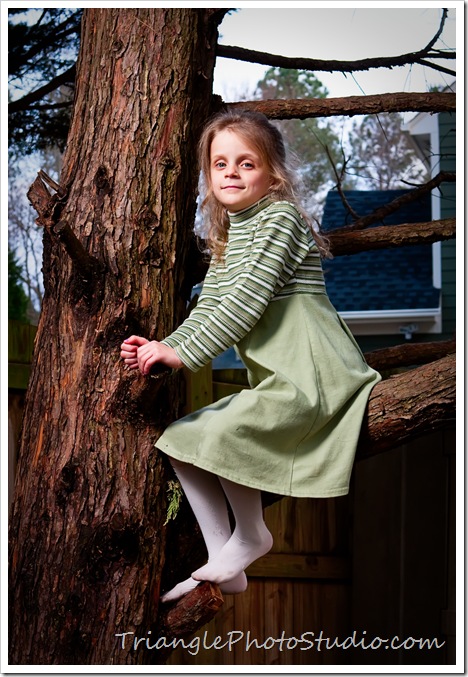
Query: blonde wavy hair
x=266, y=139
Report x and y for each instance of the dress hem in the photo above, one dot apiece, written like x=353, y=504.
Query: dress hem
x=331, y=493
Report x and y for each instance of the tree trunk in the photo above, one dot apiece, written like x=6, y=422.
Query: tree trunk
x=87, y=537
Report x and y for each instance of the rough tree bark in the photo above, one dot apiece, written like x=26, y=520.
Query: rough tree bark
x=87, y=535
x=409, y=405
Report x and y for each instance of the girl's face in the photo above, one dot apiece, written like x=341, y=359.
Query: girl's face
x=239, y=177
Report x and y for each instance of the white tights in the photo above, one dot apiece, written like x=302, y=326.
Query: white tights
x=228, y=554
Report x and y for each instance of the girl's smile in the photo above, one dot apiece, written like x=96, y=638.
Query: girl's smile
x=239, y=177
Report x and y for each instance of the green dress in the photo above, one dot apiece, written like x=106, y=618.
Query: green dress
x=295, y=431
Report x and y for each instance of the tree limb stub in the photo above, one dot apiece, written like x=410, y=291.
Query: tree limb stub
x=192, y=611
x=398, y=102
x=408, y=405
x=385, y=237
x=409, y=354
x=49, y=207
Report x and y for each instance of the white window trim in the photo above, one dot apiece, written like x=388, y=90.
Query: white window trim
x=428, y=125
x=407, y=322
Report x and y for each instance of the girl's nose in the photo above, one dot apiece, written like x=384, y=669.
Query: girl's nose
x=231, y=170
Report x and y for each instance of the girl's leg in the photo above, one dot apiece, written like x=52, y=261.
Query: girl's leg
x=208, y=502
x=250, y=540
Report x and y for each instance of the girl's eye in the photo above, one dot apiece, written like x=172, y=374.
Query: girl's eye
x=220, y=164
x=247, y=165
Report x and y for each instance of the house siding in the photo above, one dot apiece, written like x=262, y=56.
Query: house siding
x=447, y=135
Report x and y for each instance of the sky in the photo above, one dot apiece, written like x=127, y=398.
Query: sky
x=337, y=32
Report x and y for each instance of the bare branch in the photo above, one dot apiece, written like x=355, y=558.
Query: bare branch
x=329, y=66
x=347, y=242
x=339, y=182
x=393, y=206
x=66, y=77
x=398, y=102
x=431, y=44
x=437, y=67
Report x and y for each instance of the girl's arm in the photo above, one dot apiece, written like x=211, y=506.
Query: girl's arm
x=207, y=302
x=140, y=353
x=280, y=244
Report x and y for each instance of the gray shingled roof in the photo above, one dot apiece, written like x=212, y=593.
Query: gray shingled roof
x=387, y=279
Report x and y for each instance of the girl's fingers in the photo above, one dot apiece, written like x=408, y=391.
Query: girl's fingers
x=147, y=356
x=135, y=341
x=127, y=354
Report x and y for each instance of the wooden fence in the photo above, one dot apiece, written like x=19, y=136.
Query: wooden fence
x=379, y=562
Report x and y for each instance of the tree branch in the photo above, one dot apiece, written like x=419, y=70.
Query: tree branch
x=287, y=109
x=339, y=181
x=253, y=56
x=63, y=30
x=187, y=615
x=406, y=406
x=432, y=42
x=409, y=354
x=393, y=206
x=193, y=610
x=62, y=79
x=383, y=237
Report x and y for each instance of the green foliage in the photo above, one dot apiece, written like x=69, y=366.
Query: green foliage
x=174, y=492
x=18, y=300
x=43, y=44
x=291, y=83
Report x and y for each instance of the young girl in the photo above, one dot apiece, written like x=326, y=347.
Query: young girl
x=295, y=431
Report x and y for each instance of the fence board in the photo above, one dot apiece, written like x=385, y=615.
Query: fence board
x=286, y=565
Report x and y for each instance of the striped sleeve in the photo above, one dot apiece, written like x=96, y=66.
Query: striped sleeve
x=207, y=302
x=279, y=246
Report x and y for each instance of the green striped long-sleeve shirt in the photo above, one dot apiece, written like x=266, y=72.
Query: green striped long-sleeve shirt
x=270, y=255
